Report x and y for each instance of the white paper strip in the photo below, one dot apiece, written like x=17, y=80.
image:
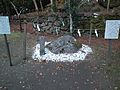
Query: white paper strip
x=96, y=33
x=38, y=28
x=79, y=33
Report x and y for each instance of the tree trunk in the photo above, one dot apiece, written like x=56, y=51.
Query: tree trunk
x=51, y=1
x=41, y=5
x=36, y=8
x=70, y=18
x=53, y=5
x=18, y=14
x=35, y=4
x=108, y=5
x=71, y=24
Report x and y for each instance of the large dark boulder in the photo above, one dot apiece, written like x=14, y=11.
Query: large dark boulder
x=64, y=44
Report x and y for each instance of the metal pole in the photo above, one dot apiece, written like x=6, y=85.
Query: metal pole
x=110, y=41
x=24, y=40
x=110, y=47
x=8, y=50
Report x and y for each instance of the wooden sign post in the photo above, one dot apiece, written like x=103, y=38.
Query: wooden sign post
x=5, y=29
x=24, y=40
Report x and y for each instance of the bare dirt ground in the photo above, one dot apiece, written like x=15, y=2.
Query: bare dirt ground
x=28, y=74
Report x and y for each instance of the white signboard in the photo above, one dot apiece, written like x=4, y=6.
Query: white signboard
x=4, y=25
x=112, y=29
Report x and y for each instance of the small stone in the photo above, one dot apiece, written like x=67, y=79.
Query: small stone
x=91, y=82
x=77, y=87
x=4, y=88
x=76, y=82
x=96, y=89
x=53, y=80
x=103, y=64
x=92, y=72
x=88, y=80
x=66, y=79
x=41, y=74
x=23, y=86
x=116, y=88
x=20, y=82
x=56, y=73
x=85, y=83
x=52, y=73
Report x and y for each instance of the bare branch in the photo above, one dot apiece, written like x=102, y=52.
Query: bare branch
x=14, y=8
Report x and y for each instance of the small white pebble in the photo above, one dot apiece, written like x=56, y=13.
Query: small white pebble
x=77, y=87
x=116, y=88
x=41, y=74
x=91, y=82
x=53, y=80
x=87, y=80
x=20, y=82
x=23, y=86
x=96, y=89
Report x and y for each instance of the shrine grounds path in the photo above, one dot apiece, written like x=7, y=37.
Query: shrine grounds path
x=98, y=72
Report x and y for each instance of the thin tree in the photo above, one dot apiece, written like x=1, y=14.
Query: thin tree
x=14, y=8
x=70, y=18
x=108, y=5
x=41, y=5
x=36, y=6
x=73, y=7
x=53, y=5
x=18, y=14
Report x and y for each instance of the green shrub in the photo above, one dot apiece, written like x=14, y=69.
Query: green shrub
x=78, y=44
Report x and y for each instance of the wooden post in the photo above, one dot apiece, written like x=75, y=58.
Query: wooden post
x=53, y=5
x=20, y=24
x=90, y=33
x=24, y=40
x=8, y=49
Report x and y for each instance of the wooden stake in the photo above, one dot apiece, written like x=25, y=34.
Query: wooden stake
x=90, y=35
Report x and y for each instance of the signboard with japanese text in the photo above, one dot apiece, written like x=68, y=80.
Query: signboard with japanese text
x=4, y=25
x=112, y=29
